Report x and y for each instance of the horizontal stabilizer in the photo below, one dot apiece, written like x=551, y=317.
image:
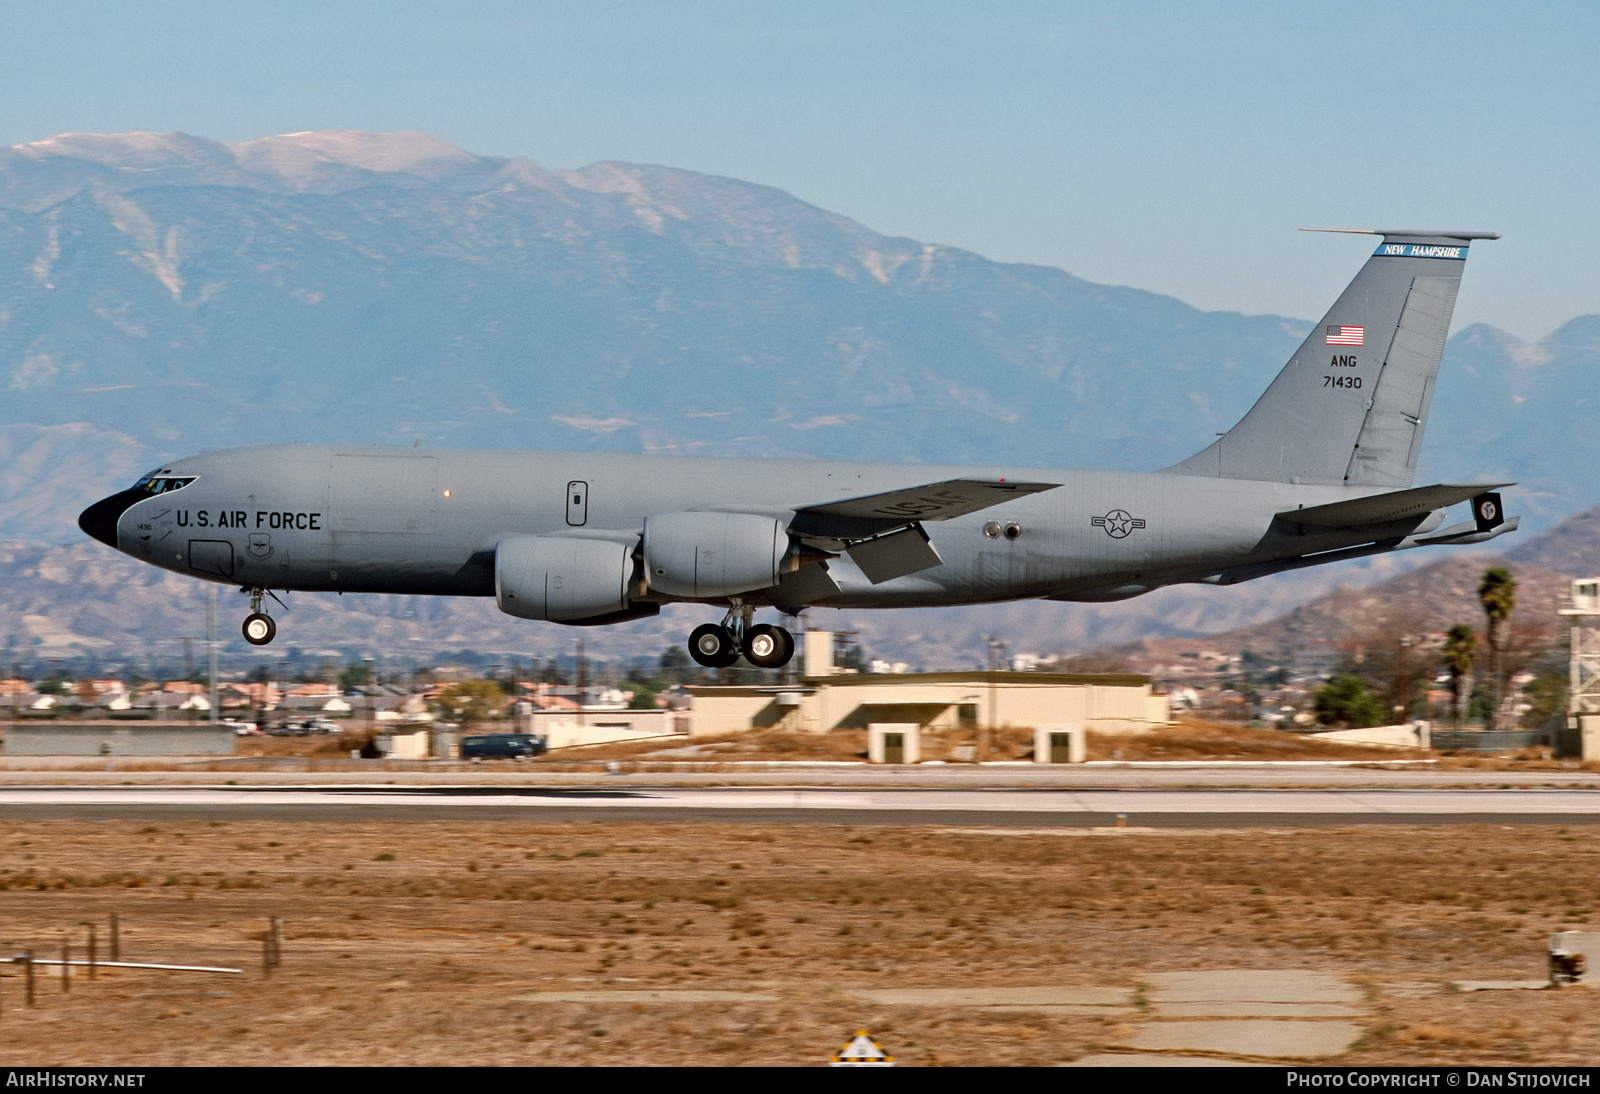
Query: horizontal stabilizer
x=1469, y=532
x=858, y=518
x=1385, y=508
x=1456, y=535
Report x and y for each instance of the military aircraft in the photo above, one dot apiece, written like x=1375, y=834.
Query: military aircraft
x=1319, y=470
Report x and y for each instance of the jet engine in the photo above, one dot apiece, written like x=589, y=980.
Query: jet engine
x=713, y=554
x=561, y=578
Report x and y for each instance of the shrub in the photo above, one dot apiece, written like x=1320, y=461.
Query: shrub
x=1346, y=701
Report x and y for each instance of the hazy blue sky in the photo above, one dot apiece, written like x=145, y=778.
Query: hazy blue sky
x=1174, y=147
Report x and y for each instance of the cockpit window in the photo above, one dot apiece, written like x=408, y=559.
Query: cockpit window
x=161, y=484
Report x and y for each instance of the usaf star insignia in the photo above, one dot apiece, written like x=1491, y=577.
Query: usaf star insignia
x=1117, y=523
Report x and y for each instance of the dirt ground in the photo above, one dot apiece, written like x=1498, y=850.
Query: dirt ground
x=427, y=942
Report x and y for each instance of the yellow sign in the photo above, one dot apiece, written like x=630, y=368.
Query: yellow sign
x=862, y=1050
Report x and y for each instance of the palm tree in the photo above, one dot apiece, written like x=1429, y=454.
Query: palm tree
x=1498, y=595
x=1460, y=653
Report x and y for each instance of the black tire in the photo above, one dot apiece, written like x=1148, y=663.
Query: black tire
x=712, y=646
x=259, y=629
x=768, y=647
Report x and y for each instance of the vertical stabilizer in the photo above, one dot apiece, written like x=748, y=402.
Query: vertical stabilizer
x=1350, y=406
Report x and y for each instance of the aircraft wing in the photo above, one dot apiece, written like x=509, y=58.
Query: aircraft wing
x=859, y=518
x=1383, y=508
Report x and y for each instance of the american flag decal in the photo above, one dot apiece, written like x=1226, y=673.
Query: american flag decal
x=1346, y=336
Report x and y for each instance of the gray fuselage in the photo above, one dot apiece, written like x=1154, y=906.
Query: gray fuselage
x=427, y=521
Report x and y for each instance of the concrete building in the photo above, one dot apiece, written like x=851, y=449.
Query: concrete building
x=827, y=698
x=90, y=739
x=568, y=729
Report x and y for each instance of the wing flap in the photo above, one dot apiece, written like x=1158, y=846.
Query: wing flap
x=897, y=554
x=1385, y=508
x=859, y=518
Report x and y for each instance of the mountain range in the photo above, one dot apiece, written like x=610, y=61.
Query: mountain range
x=162, y=294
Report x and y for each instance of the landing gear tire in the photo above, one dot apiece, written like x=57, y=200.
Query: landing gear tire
x=713, y=646
x=259, y=629
x=768, y=647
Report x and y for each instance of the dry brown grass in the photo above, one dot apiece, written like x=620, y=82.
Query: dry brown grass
x=1192, y=739
x=1526, y=759
x=322, y=745
x=757, y=744
x=429, y=956
x=1187, y=740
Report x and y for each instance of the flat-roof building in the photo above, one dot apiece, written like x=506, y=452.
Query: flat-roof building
x=826, y=698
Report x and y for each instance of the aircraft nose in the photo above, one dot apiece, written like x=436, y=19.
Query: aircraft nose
x=100, y=519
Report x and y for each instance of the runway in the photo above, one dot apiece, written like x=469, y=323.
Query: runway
x=1029, y=808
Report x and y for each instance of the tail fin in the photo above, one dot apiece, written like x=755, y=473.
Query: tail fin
x=1350, y=406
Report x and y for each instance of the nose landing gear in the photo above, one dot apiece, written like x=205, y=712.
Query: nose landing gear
x=259, y=629
x=718, y=646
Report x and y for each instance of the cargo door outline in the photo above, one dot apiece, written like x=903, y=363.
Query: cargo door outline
x=211, y=556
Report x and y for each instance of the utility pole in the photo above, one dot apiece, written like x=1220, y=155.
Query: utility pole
x=997, y=650
x=211, y=644
x=1405, y=678
x=583, y=682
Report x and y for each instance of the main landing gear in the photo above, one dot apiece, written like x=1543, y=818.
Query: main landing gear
x=259, y=629
x=716, y=646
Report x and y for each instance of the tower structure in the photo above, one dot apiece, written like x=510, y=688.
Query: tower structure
x=1583, y=693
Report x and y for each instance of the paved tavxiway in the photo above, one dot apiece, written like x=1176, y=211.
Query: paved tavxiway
x=1188, y=807
x=1115, y=775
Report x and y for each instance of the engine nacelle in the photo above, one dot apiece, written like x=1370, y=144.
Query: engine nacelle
x=713, y=554
x=561, y=578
